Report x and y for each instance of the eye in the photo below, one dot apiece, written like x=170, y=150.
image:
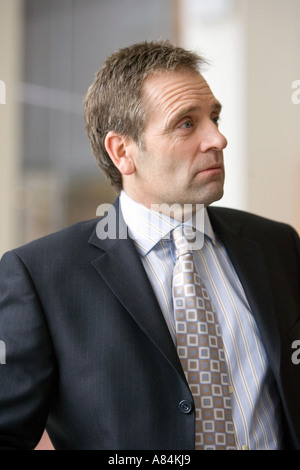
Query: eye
x=186, y=125
x=216, y=120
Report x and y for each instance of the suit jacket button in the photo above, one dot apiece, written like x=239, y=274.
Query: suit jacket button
x=185, y=406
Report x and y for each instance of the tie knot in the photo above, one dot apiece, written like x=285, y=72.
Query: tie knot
x=184, y=239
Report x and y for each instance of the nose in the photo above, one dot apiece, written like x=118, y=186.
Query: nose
x=212, y=138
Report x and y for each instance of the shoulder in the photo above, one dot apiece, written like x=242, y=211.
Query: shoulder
x=72, y=239
x=251, y=226
x=244, y=218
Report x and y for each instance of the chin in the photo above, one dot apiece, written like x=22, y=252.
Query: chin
x=207, y=199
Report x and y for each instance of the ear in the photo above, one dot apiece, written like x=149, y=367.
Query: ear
x=121, y=151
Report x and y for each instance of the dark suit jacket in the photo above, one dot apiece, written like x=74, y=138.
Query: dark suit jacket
x=87, y=346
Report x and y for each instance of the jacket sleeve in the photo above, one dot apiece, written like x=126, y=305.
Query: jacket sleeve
x=27, y=364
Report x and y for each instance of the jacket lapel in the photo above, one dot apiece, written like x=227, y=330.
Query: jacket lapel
x=120, y=267
x=248, y=260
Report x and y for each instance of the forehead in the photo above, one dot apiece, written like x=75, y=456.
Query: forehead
x=166, y=93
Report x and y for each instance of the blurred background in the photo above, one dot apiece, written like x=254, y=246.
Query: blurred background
x=50, y=51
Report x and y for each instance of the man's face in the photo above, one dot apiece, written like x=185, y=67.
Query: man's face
x=181, y=160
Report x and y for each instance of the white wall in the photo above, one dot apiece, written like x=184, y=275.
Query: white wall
x=273, y=30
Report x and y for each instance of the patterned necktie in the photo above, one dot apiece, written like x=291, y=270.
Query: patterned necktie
x=200, y=349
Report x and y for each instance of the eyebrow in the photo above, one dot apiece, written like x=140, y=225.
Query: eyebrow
x=216, y=107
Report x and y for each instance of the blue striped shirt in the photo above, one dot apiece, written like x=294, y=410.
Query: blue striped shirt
x=255, y=402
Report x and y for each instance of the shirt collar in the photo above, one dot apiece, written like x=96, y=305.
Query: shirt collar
x=148, y=227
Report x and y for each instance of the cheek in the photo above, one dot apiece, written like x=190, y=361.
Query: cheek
x=165, y=160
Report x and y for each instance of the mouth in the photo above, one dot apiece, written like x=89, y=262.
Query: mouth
x=213, y=169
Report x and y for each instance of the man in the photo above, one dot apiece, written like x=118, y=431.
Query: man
x=87, y=314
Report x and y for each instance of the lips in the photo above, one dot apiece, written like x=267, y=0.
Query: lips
x=211, y=168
